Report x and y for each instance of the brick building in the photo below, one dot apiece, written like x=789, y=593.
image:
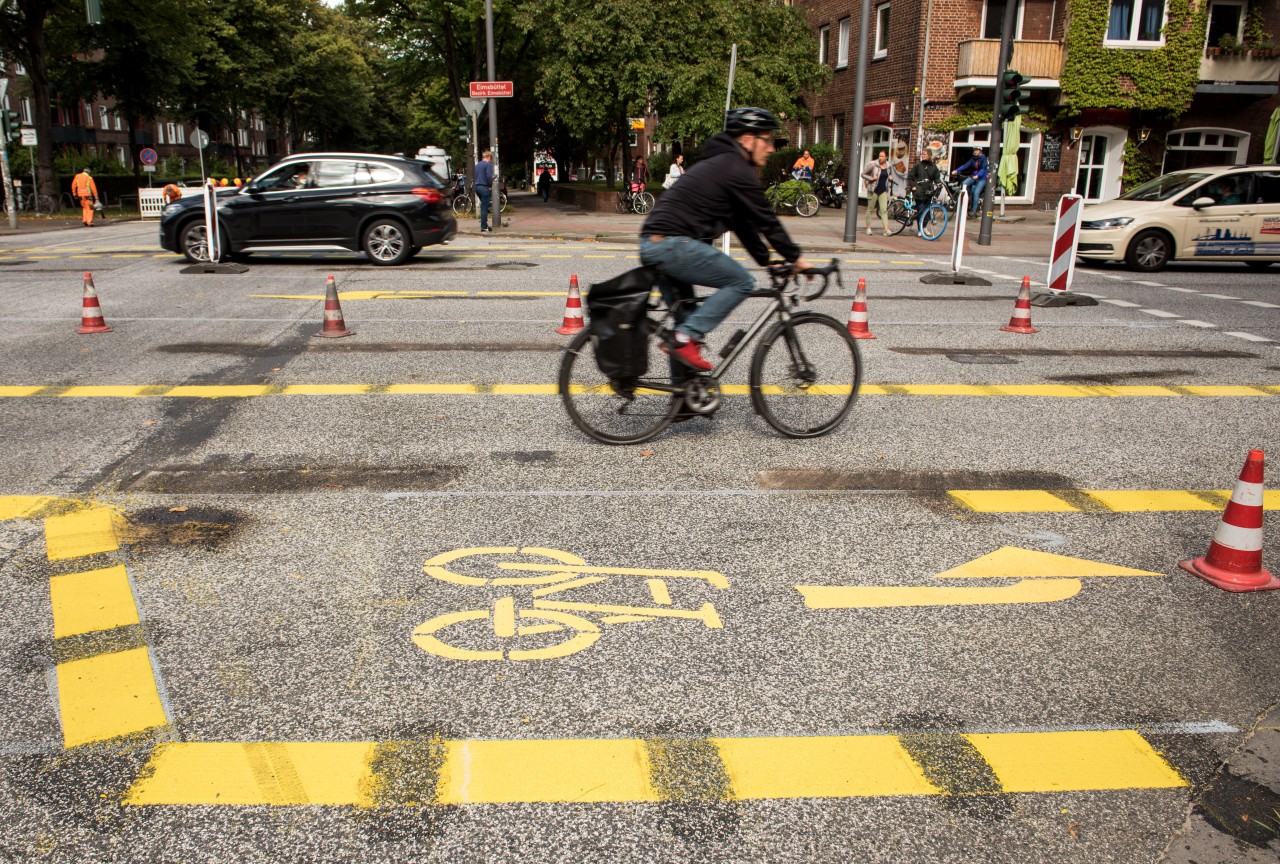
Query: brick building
x=1103, y=74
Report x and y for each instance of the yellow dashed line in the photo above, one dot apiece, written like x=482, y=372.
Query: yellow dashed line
x=87, y=532
x=619, y=770
x=862, y=260
x=555, y=256
x=906, y=262
x=1117, y=501
x=108, y=696
x=91, y=601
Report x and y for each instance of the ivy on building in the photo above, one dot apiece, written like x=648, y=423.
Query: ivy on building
x=1150, y=79
x=1138, y=166
x=972, y=114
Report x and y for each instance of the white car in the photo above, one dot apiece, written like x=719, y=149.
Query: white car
x=1199, y=214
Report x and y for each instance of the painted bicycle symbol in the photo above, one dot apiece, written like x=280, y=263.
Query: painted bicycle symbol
x=547, y=625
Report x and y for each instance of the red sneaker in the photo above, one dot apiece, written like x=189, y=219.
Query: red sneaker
x=690, y=354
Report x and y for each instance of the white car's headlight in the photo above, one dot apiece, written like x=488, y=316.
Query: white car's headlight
x=1107, y=224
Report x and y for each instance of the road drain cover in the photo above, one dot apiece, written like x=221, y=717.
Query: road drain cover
x=510, y=265
x=982, y=359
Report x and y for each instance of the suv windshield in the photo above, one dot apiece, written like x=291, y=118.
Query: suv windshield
x=1164, y=188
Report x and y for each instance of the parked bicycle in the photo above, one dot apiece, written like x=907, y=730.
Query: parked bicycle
x=904, y=212
x=25, y=202
x=794, y=195
x=464, y=203
x=633, y=199
x=804, y=376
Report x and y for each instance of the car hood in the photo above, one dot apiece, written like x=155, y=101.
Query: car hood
x=1117, y=208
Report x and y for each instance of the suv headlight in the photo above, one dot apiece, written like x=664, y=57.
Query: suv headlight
x=1107, y=224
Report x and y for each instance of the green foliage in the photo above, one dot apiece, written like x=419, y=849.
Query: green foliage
x=659, y=164
x=1255, y=33
x=1138, y=166
x=976, y=114
x=1157, y=79
x=788, y=192
x=70, y=163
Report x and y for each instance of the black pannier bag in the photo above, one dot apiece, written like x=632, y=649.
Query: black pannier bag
x=617, y=308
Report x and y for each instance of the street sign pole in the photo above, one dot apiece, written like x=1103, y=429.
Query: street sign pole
x=993, y=151
x=495, y=200
x=35, y=184
x=728, y=99
x=11, y=205
x=855, y=145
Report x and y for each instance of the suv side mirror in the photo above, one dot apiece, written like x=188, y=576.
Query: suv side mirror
x=1203, y=202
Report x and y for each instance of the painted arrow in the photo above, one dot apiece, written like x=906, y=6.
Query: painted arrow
x=1043, y=578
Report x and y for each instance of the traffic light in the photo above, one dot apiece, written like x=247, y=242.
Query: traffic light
x=10, y=125
x=1012, y=94
x=464, y=130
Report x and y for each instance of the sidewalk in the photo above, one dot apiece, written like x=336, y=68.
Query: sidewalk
x=1028, y=235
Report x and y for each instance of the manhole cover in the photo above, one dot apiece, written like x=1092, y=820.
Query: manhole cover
x=510, y=265
x=982, y=359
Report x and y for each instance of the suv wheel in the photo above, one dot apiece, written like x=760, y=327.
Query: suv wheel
x=386, y=242
x=1149, y=251
x=195, y=243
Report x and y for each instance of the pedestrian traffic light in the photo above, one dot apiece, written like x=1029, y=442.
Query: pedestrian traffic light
x=10, y=125
x=1012, y=94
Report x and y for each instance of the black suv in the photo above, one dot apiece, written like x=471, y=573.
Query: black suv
x=384, y=206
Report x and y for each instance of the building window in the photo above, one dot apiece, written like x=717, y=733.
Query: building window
x=103, y=121
x=19, y=69
x=121, y=156
x=882, y=32
x=119, y=122
x=244, y=138
x=25, y=107
x=1226, y=18
x=1136, y=22
x=824, y=34
x=837, y=131
x=964, y=141
x=1198, y=148
x=159, y=133
x=842, y=45
x=817, y=130
x=799, y=134
x=179, y=135
x=88, y=114
x=993, y=19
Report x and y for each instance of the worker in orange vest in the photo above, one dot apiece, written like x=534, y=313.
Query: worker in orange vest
x=83, y=187
x=172, y=192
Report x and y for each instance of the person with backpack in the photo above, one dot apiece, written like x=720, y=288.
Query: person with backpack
x=721, y=192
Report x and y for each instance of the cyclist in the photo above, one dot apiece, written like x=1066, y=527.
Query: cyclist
x=922, y=184
x=977, y=181
x=721, y=192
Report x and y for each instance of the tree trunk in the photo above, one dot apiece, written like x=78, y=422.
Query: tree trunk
x=38, y=75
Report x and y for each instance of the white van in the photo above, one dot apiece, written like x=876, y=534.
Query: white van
x=440, y=163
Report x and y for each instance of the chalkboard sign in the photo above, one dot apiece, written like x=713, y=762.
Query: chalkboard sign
x=1051, y=153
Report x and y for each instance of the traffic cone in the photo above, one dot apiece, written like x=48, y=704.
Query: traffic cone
x=573, y=322
x=91, y=320
x=334, y=325
x=1020, y=322
x=858, y=328
x=1234, y=559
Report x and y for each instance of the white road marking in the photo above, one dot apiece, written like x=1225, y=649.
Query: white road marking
x=1123, y=303
x=1159, y=313
x=1152, y=284
x=1251, y=337
x=1194, y=323
x=1181, y=290
x=1221, y=296
x=1260, y=304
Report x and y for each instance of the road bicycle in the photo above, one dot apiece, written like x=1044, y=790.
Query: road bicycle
x=633, y=199
x=465, y=204
x=803, y=203
x=41, y=205
x=804, y=376
x=903, y=212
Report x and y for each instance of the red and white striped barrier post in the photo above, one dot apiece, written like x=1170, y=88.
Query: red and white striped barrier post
x=1234, y=559
x=1066, y=235
x=957, y=241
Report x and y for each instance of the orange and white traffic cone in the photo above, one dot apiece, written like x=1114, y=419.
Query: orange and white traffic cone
x=1020, y=321
x=573, y=321
x=334, y=324
x=91, y=320
x=858, y=328
x=1234, y=559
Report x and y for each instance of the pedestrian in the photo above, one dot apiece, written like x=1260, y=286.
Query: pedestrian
x=876, y=179
x=639, y=173
x=171, y=192
x=675, y=172
x=483, y=183
x=977, y=181
x=803, y=167
x=922, y=183
x=83, y=187
x=544, y=184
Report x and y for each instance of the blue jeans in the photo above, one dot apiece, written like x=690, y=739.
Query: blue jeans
x=687, y=260
x=485, y=194
x=975, y=188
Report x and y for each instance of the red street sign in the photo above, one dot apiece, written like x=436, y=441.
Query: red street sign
x=148, y=156
x=491, y=89
x=878, y=114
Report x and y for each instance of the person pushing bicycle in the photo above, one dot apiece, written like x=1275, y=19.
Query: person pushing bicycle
x=721, y=192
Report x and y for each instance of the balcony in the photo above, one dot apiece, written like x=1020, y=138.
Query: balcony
x=979, y=61
x=1244, y=73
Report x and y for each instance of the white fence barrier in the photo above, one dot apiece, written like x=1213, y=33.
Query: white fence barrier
x=151, y=200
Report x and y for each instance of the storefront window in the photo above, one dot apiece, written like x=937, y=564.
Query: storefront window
x=965, y=141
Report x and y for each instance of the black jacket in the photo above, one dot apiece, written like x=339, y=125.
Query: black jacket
x=923, y=179
x=721, y=192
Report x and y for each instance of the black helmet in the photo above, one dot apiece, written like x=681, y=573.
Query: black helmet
x=740, y=121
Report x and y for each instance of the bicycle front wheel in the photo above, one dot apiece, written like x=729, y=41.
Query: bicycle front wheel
x=899, y=216
x=615, y=412
x=461, y=205
x=643, y=203
x=805, y=376
x=807, y=205
x=934, y=221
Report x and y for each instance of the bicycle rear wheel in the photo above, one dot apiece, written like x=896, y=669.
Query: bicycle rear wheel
x=462, y=205
x=615, y=412
x=899, y=216
x=804, y=379
x=643, y=203
x=622, y=204
x=807, y=204
x=934, y=221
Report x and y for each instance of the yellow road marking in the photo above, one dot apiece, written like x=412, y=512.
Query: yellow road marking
x=906, y=262
x=1011, y=562
x=325, y=389
x=1119, y=501
x=521, y=293
x=87, y=532
x=108, y=696
x=216, y=391
x=619, y=770
x=19, y=391
x=91, y=601
x=862, y=260
x=555, y=256
x=880, y=597
x=599, y=256
x=433, y=389
x=119, y=390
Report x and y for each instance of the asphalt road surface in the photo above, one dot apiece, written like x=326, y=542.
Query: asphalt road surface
x=277, y=598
